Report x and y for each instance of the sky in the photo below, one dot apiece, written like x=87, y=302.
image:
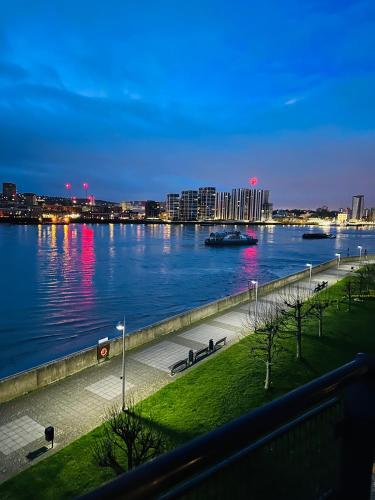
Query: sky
x=141, y=98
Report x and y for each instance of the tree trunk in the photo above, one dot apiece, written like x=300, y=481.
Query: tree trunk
x=130, y=456
x=299, y=334
x=267, y=382
x=320, y=323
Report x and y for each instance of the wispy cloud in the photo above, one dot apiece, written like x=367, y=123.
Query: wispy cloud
x=292, y=101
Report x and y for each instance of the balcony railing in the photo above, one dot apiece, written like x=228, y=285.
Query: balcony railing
x=315, y=442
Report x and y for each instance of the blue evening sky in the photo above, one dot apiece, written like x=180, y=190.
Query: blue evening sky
x=144, y=97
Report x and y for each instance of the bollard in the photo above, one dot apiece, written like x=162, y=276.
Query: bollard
x=191, y=357
x=211, y=345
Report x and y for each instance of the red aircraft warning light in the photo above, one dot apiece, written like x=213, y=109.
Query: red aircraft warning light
x=68, y=185
x=253, y=181
x=85, y=185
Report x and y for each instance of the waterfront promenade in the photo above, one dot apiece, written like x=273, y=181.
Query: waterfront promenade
x=77, y=404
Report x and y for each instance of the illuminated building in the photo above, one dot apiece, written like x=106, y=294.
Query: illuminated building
x=358, y=206
x=9, y=191
x=173, y=206
x=189, y=206
x=206, y=203
x=250, y=205
x=222, y=206
x=152, y=209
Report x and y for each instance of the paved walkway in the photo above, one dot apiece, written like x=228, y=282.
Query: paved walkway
x=78, y=403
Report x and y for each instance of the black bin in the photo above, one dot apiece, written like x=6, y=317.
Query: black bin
x=49, y=433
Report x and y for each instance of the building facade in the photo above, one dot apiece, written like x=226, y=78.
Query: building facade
x=172, y=206
x=250, y=205
x=222, y=206
x=9, y=191
x=206, y=203
x=358, y=202
x=152, y=209
x=189, y=206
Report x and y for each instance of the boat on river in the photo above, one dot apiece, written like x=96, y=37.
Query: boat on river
x=229, y=239
x=318, y=236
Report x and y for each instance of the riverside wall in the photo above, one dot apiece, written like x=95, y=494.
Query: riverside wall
x=43, y=375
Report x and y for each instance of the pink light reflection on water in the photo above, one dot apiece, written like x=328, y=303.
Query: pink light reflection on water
x=87, y=265
x=249, y=269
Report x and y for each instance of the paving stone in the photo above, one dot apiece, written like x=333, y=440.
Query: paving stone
x=203, y=333
x=14, y=436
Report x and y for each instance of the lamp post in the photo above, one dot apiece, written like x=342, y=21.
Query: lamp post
x=255, y=282
x=122, y=327
x=338, y=255
x=310, y=269
x=360, y=253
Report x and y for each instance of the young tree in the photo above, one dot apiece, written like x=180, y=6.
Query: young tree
x=349, y=293
x=298, y=308
x=321, y=302
x=265, y=339
x=128, y=438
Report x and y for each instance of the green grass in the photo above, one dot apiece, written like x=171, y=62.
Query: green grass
x=215, y=392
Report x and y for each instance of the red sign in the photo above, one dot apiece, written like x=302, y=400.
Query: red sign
x=103, y=350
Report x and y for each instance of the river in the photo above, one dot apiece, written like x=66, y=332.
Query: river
x=64, y=287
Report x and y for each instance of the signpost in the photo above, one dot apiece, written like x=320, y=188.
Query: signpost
x=102, y=349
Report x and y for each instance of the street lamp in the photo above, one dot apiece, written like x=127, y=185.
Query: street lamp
x=121, y=326
x=255, y=282
x=360, y=253
x=310, y=268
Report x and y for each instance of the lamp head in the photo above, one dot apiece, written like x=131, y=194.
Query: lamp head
x=254, y=282
x=120, y=326
x=308, y=265
x=359, y=247
x=337, y=254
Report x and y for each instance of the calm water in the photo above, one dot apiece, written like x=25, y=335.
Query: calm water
x=64, y=287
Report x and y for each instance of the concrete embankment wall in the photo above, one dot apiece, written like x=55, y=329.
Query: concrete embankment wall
x=43, y=375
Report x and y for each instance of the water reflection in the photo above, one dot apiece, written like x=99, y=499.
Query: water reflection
x=81, y=277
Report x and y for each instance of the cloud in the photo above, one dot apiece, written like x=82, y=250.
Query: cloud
x=289, y=102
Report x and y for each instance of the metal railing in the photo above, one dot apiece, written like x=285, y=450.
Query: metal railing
x=315, y=442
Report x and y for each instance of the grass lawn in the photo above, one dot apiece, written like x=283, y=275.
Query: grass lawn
x=215, y=392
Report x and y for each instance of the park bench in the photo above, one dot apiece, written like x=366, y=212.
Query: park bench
x=194, y=357
x=201, y=353
x=179, y=366
x=320, y=286
x=220, y=343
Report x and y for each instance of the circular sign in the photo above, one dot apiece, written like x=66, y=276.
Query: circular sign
x=103, y=352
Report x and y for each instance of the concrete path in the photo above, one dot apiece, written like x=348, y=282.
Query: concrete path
x=77, y=404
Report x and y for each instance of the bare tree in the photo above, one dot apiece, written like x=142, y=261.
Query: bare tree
x=128, y=438
x=298, y=308
x=365, y=279
x=265, y=339
x=349, y=293
x=321, y=302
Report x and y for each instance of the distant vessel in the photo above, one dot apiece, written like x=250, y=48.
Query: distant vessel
x=229, y=238
x=318, y=236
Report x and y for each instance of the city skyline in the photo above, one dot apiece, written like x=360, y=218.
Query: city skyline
x=140, y=100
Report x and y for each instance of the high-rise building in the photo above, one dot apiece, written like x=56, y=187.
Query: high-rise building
x=206, y=203
x=9, y=191
x=173, y=206
x=189, y=205
x=222, y=206
x=152, y=209
x=250, y=204
x=358, y=202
